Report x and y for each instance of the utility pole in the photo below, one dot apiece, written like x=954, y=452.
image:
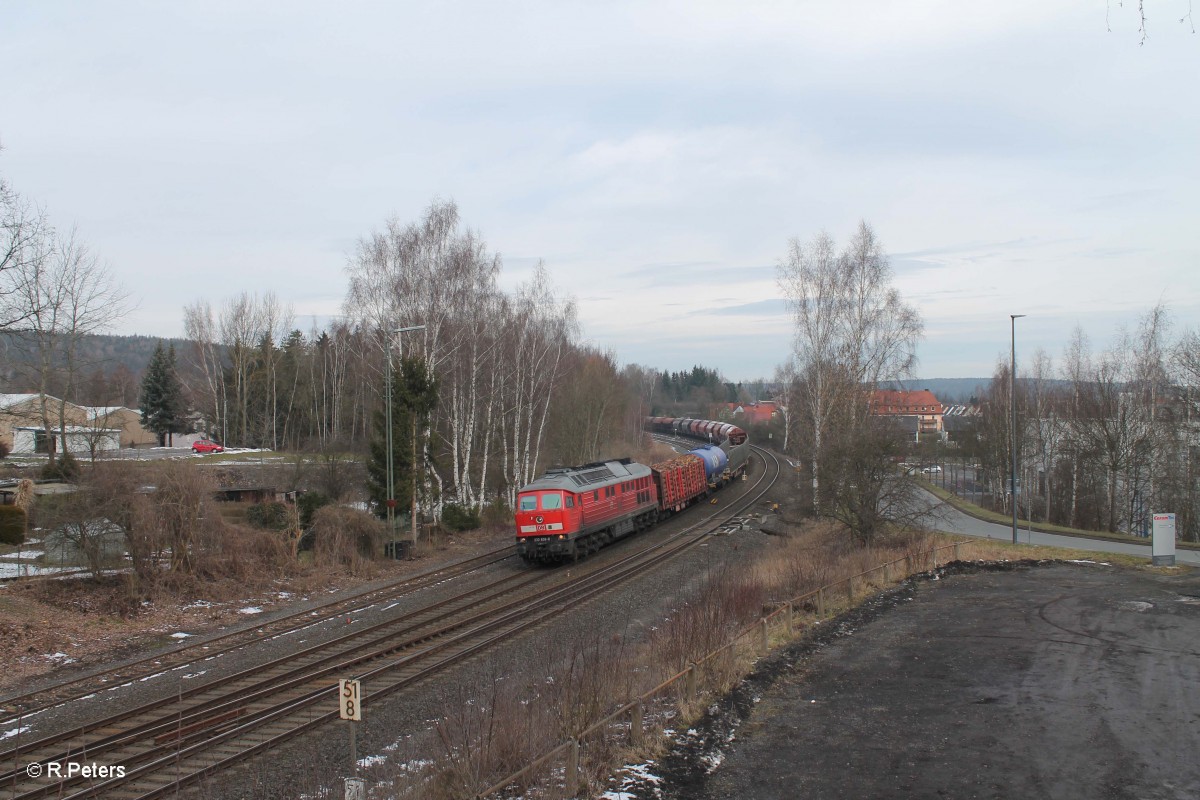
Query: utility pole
x=1012, y=402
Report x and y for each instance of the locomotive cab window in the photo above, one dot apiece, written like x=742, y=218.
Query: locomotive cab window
x=570, y=501
x=551, y=501
x=529, y=502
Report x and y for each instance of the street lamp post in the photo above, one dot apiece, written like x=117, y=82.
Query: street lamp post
x=391, y=469
x=1012, y=402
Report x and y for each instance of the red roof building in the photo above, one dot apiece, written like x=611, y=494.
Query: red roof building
x=920, y=404
x=753, y=413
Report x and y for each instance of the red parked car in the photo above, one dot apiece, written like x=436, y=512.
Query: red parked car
x=206, y=446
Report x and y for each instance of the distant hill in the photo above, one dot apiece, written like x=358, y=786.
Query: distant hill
x=105, y=353
x=946, y=390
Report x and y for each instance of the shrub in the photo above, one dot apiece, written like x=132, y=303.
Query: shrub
x=308, y=503
x=273, y=516
x=497, y=514
x=459, y=518
x=63, y=468
x=345, y=537
x=12, y=525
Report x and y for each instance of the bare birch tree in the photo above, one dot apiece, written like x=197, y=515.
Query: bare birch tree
x=67, y=294
x=853, y=330
x=24, y=235
x=206, y=381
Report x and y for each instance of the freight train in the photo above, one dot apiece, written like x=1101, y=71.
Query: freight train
x=570, y=512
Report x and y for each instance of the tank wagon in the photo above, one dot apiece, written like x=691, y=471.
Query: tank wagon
x=731, y=439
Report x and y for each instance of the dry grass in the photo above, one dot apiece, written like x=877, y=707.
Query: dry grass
x=346, y=538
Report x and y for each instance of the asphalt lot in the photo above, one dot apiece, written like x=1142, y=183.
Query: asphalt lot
x=1046, y=681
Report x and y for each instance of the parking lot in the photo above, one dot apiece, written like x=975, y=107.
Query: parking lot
x=1056, y=680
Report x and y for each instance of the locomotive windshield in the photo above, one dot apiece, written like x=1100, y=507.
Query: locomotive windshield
x=529, y=502
x=551, y=501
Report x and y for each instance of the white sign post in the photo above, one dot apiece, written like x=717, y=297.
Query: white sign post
x=1163, y=546
x=350, y=708
x=356, y=789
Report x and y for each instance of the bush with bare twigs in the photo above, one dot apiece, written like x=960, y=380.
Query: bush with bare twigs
x=344, y=537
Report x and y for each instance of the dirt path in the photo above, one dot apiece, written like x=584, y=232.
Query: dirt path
x=1055, y=681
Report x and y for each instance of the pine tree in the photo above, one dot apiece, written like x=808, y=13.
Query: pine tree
x=414, y=395
x=161, y=402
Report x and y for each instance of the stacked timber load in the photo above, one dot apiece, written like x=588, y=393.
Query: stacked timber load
x=680, y=481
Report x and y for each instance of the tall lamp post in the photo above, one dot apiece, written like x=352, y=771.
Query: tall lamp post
x=391, y=469
x=1012, y=402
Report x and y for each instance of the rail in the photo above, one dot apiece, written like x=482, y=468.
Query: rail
x=822, y=600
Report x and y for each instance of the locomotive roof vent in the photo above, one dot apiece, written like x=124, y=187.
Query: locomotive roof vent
x=592, y=476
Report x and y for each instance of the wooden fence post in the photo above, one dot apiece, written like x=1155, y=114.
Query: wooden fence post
x=958, y=552
x=764, y=640
x=850, y=589
x=821, y=602
x=573, y=768
x=635, y=724
x=787, y=615
x=689, y=684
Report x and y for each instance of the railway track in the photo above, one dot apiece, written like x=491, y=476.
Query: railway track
x=18, y=709
x=171, y=743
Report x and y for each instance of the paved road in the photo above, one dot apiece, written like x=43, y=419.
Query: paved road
x=1056, y=681
x=952, y=520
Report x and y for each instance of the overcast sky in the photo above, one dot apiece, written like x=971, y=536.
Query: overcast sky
x=1014, y=157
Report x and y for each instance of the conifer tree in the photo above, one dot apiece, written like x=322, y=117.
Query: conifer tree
x=414, y=395
x=161, y=402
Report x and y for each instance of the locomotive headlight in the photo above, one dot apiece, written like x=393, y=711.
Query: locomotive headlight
x=562, y=536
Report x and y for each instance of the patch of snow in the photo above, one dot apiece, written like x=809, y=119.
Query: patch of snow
x=12, y=569
x=30, y=554
x=633, y=776
x=61, y=658
x=250, y=610
x=371, y=761
x=1135, y=605
x=181, y=635
x=14, y=732
x=199, y=604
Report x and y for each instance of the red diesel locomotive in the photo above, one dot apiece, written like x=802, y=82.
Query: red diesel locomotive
x=570, y=512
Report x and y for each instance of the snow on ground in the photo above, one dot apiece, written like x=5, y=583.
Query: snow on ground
x=14, y=732
x=11, y=569
x=250, y=610
x=634, y=775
